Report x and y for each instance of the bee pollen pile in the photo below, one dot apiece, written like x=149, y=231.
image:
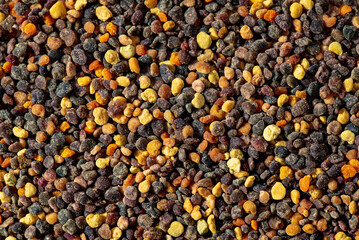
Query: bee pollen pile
x=179, y=119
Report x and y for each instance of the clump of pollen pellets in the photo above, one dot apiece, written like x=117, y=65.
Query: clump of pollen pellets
x=179, y=120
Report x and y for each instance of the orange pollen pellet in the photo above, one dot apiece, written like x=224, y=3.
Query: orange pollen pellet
x=94, y=65
x=355, y=164
x=141, y=50
x=98, y=71
x=21, y=191
x=345, y=9
x=106, y=74
x=111, y=28
x=270, y=15
x=89, y=27
x=162, y=17
x=30, y=29
x=44, y=60
x=7, y=67
x=304, y=183
x=281, y=123
x=174, y=59
x=64, y=126
x=67, y=153
x=348, y=171
x=104, y=38
x=48, y=20
x=110, y=150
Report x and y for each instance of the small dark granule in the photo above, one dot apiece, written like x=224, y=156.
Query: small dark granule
x=283, y=21
x=78, y=56
x=259, y=45
x=19, y=72
x=63, y=89
x=166, y=73
x=349, y=32
x=316, y=26
x=19, y=50
x=63, y=216
x=300, y=108
x=89, y=45
x=21, y=8
x=58, y=139
x=120, y=170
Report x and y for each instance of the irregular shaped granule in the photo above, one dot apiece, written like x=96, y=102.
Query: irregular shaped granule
x=300, y=108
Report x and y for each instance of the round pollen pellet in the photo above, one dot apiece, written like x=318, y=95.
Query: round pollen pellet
x=278, y=191
x=30, y=190
x=348, y=136
x=296, y=9
x=176, y=229
x=336, y=48
x=299, y=72
x=198, y=100
x=58, y=10
x=204, y=41
x=103, y=13
x=271, y=132
x=112, y=57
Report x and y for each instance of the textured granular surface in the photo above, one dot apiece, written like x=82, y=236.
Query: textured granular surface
x=176, y=120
